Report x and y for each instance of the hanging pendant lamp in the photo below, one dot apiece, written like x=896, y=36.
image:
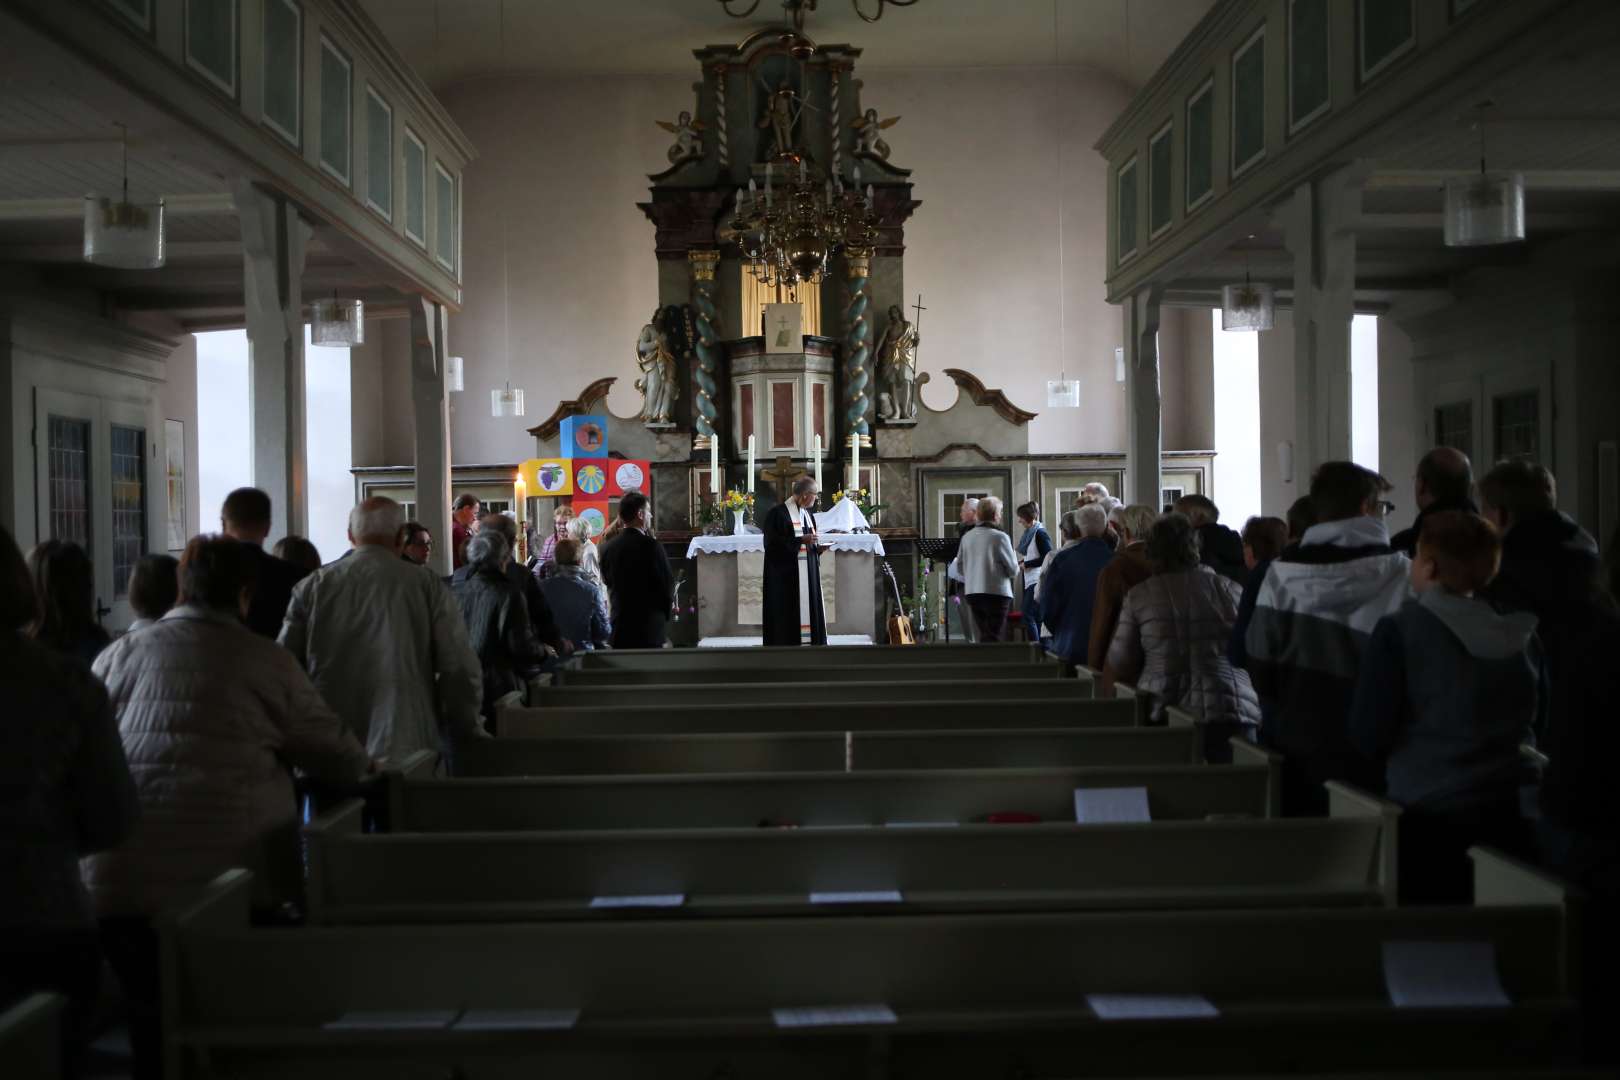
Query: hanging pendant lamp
x=1248, y=307
x=337, y=324
x=123, y=234
x=509, y=401
x=1061, y=392
x=1484, y=208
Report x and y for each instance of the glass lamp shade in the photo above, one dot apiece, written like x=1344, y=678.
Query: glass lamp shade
x=1484, y=209
x=1119, y=363
x=1063, y=393
x=1248, y=307
x=121, y=234
x=337, y=324
x=507, y=402
x=455, y=372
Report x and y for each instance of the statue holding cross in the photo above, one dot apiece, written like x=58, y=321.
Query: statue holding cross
x=897, y=365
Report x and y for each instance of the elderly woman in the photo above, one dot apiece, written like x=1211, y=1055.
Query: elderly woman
x=497, y=618
x=1171, y=640
x=1034, y=545
x=988, y=565
x=590, y=564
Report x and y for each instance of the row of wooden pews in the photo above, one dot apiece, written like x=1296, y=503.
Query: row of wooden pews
x=644, y=882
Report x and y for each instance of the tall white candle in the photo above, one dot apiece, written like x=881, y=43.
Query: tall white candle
x=816, y=453
x=750, y=464
x=714, y=463
x=854, y=462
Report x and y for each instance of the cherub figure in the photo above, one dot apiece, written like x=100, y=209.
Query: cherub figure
x=867, y=139
x=688, y=143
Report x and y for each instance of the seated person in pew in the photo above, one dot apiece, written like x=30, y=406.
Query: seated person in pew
x=576, y=602
x=1171, y=641
x=1449, y=689
x=212, y=717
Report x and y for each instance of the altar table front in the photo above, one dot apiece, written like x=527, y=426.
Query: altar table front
x=730, y=592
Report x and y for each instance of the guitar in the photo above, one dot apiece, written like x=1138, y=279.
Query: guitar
x=899, y=623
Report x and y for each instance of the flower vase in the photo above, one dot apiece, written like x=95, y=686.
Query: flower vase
x=737, y=526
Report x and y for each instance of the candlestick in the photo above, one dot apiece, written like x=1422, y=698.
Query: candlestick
x=714, y=463
x=520, y=492
x=816, y=452
x=750, y=464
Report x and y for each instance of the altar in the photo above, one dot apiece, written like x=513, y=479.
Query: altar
x=730, y=595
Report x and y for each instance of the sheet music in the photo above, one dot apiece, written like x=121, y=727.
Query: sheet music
x=1443, y=975
x=872, y=896
x=518, y=1020
x=1150, y=1006
x=392, y=1020
x=1111, y=806
x=834, y=1015
x=652, y=900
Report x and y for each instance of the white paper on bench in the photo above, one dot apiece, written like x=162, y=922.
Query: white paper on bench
x=870, y=896
x=1110, y=806
x=1150, y=1006
x=1443, y=975
x=392, y=1020
x=518, y=1020
x=832, y=1015
x=920, y=824
x=648, y=900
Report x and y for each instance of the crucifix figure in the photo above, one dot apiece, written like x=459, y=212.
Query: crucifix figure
x=782, y=341
x=783, y=476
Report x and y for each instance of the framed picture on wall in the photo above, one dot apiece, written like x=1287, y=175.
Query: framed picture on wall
x=174, y=454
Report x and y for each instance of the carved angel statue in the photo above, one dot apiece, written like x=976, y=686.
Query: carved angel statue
x=688, y=141
x=897, y=368
x=657, y=384
x=780, y=116
x=867, y=139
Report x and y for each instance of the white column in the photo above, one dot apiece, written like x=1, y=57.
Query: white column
x=1143, y=435
x=1321, y=236
x=431, y=404
x=273, y=243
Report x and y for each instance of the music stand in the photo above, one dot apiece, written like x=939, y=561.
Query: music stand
x=940, y=550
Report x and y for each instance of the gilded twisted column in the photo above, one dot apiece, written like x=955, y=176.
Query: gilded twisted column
x=722, y=147
x=858, y=343
x=707, y=373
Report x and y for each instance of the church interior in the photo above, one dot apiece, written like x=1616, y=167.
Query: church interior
x=1010, y=330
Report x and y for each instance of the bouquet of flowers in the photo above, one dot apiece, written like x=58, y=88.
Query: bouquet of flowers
x=863, y=501
x=714, y=513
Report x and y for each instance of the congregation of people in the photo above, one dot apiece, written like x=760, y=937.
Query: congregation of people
x=1458, y=666
x=249, y=685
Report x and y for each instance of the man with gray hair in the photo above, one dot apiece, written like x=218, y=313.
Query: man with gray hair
x=1069, y=586
x=385, y=643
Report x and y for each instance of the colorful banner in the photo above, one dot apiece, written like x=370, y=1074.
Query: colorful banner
x=583, y=437
x=593, y=513
x=626, y=476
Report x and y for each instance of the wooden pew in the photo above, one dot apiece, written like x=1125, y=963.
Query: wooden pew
x=874, y=671
x=954, y=693
x=757, y=715
x=743, y=800
x=1347, y=859
x=600, y=755
x=971, y=995
x=31, y=1038
x=789, y=656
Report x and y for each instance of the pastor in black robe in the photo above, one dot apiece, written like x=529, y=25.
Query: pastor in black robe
x=783, y=542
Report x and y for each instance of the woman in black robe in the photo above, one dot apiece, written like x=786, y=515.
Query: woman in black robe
x=789, y=528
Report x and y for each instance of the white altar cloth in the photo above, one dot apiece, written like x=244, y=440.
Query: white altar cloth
x=871, y=543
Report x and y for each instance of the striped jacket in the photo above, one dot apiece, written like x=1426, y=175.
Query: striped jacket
x=1314, y=613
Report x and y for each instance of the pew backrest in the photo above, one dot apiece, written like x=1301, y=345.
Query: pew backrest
x=872, y=670
x=949, y=693
x=30, y=1037
x=793, y=657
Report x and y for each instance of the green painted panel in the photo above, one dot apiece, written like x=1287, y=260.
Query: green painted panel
x=1127, y=209
x=1308, y=46
x=337, y=91
x=211, y=40
x=138, y=12
x=444, y=218
x=379, y=155
x=1160, y=208
x=1200, y=146
x=415, y=190
x=1386, y=28
x=1249, y=104
x=283, y=66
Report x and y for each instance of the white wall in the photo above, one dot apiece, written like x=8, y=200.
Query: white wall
x=328, y=443
x=224, y=421
x=563, y=161
x=1239, y=461
x=1364, y=401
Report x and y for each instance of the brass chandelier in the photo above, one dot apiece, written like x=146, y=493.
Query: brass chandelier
x=796, y=9
x=788, y=231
